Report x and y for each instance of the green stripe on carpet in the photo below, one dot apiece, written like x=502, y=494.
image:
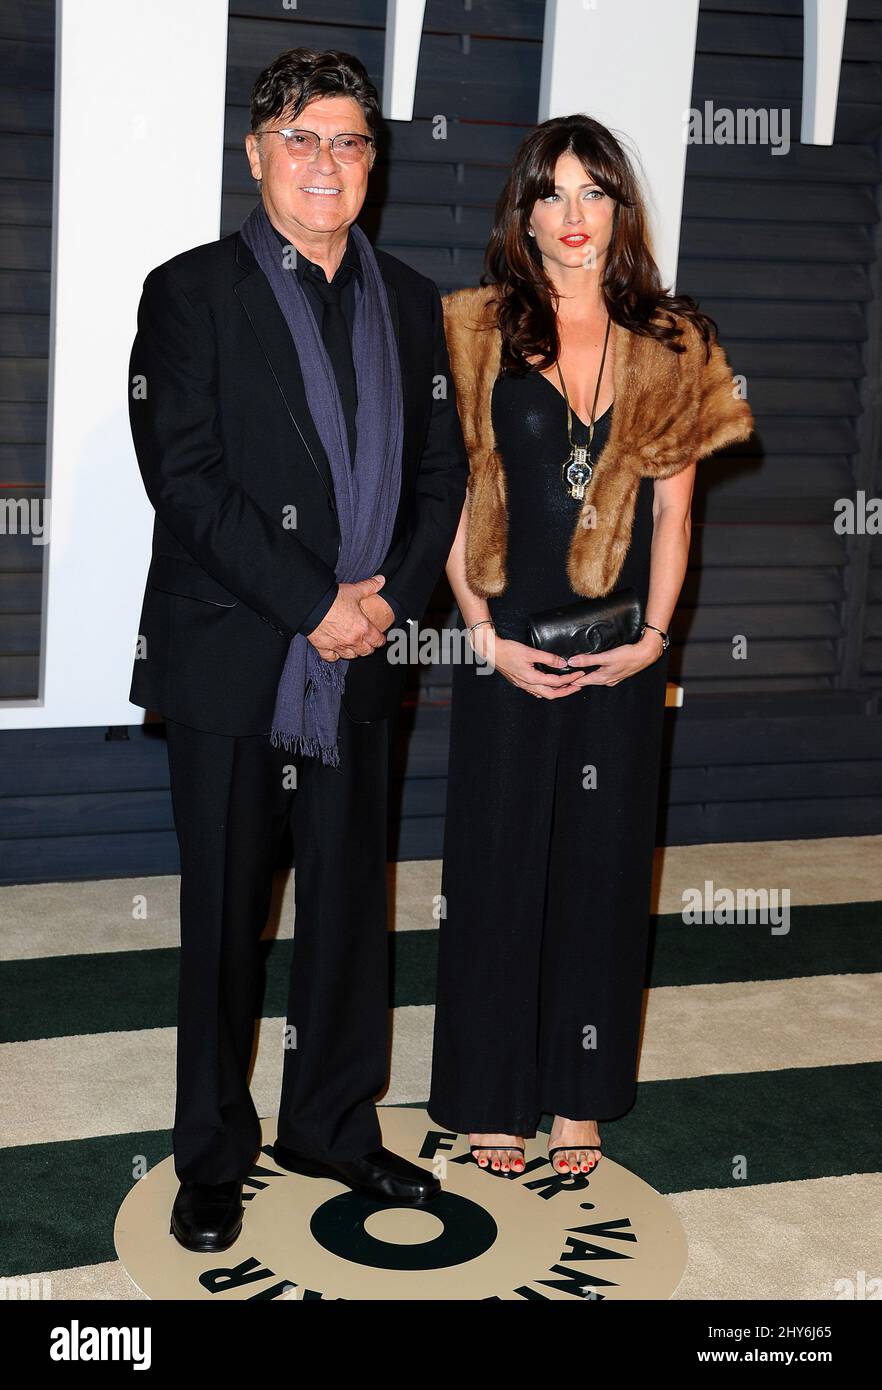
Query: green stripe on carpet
x=61, y=1200
x=58, y=996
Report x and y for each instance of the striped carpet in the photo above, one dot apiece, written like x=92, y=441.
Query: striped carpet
x=760, y=1083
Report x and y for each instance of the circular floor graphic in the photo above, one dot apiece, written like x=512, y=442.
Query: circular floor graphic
x=535, y=1236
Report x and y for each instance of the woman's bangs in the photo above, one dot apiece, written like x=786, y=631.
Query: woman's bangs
x=539, y=177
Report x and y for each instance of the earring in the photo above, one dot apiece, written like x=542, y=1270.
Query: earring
x=530, y=231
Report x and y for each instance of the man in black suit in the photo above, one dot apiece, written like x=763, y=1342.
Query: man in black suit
x=245, y=547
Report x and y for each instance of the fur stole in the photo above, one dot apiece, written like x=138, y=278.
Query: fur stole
x=670, y=409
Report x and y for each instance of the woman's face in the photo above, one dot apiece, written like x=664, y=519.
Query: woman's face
x=573, y=225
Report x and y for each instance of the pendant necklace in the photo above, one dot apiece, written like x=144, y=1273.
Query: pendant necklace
x=578, y=466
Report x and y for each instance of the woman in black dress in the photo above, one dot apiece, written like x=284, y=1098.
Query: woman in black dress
x=553, y=779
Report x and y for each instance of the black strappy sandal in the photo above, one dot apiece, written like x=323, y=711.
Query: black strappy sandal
x=514, y=1148
x=562, y=1149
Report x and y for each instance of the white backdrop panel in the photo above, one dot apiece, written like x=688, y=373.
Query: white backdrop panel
x=140, y=92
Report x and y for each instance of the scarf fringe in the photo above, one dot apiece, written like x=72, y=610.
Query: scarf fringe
x=309, y=747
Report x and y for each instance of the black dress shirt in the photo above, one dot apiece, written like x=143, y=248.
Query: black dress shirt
x=339, y=346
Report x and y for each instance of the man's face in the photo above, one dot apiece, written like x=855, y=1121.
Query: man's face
x=320, y=194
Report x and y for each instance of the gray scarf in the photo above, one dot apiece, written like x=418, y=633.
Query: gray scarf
x=310, y=689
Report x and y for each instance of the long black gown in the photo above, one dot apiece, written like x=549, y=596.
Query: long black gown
x=549, y=832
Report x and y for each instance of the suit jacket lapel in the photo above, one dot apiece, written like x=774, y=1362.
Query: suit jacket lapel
x=395, y=314
x=257, y=299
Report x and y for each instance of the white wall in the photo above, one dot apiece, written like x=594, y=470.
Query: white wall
x=140, y=90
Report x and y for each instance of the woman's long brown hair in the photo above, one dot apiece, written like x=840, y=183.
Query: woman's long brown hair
x=632, y=288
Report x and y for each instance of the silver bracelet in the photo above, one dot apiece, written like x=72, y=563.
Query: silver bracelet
x=481, y=623
x=666, y=641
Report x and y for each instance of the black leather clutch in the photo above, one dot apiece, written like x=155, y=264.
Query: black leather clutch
x=591, y=625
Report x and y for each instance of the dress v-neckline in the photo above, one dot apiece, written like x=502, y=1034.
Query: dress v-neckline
x=560, y=395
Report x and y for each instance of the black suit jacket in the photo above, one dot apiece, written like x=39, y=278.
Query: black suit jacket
x=246, y=534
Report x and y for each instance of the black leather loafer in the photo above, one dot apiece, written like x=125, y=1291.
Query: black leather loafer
x=381, y=1174
x=207, y=1216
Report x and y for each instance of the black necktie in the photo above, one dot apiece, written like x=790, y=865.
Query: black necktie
x=336, y=338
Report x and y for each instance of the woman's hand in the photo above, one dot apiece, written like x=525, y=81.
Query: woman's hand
x=517, y=662
x=618, y=663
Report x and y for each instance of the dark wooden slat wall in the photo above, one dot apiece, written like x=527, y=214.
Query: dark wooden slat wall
x=27, y=62
x=783, y=251
x=74, y=805
x=864, y=656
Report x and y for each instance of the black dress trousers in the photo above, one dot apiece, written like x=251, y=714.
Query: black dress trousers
x=232, y=797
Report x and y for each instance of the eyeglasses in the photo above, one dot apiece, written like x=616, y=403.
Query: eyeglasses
x=346, y=147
